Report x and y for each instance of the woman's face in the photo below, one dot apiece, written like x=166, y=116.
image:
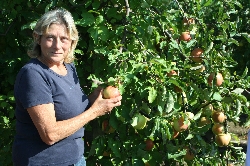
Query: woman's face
x=55, y=44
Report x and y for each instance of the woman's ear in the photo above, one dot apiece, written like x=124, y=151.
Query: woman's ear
x=36, y=37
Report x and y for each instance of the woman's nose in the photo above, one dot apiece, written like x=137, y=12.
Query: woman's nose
x=57, y=43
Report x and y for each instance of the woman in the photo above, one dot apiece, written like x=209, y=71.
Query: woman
x=51, y=108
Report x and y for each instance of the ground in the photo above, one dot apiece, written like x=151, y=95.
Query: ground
x=241, y=132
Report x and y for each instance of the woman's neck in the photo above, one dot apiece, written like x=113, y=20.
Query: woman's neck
x=57, y=67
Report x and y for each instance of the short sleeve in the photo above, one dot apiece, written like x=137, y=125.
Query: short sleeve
x=32, y=88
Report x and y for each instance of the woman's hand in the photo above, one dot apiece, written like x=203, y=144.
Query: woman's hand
x=93, y=96
x=102, y=106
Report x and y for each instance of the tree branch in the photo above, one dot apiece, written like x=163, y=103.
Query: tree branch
x=4, y=34
x=125, y=29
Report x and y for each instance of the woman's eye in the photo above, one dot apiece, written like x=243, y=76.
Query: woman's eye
x=49, y=37
x=65, y=39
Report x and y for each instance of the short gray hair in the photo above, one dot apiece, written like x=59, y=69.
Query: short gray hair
x=57, y=16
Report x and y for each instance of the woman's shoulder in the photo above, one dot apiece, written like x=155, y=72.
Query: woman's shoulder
x=31, y=67
x=32, y=63
x=71, y=66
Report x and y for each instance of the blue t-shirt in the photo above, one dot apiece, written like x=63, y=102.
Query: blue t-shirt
x=37, y=84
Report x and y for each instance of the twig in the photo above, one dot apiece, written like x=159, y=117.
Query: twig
x=4, y=34
x=125, y=29
x=142, y=44
x=181, y=9
x=128, y=8
x=247, y=91
x=97, y=82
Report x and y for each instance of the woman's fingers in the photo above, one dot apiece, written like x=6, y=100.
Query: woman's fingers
x=105, y=106
x=117, y=99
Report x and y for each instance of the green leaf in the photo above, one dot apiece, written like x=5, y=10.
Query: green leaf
x=237, y=3
x=190, y=136
x=209, y=48
x=96, y=4
x=99, y=19
x=114, y=145
x=247, y=36
x=103, y=33
x=100, y=145
x=163, y=135
x=3, y=97
x=197, y=115
x=217, y=96
x=141, y=153
x=3, y=104
x=160, y=106
x=87, y=19
x=145, y=108
x=29, y=26
x=6, y=120
x=231, y=40
x=93, y=147
x=112, y=13
x=47, y=8
x=176, y=155
x=174, y=44
x=159, y=61
x=152, y=93
x=238, y=107
x=227, y=100
x=208, y=3
x=190, y=43
x=247, y=124
x=94, y=34
x=144, y=4
x=155, y=128
x=170, y=103
x=238, y=90
x=78, y=51
x=245, y=73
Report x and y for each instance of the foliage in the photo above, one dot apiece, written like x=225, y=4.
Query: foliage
x=133, y=44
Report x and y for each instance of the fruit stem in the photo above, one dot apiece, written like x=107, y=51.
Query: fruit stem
x=226, y=126
x=227, y=157
x=206, y=104
x=143, y=113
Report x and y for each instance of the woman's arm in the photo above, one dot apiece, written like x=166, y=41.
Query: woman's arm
x=52, y=131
